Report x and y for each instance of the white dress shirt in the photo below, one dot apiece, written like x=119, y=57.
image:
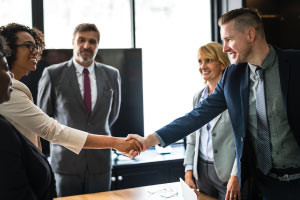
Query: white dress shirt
x=79, y=72
x=206, y=147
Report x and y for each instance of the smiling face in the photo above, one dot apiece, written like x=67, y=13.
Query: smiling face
x=211, y=70
x=5, y=81
x=85, y=47
x=236, y=43
x=26, y=57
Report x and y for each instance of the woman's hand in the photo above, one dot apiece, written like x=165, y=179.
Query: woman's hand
x=233, y=189
x=125, y=146
x=189, y=180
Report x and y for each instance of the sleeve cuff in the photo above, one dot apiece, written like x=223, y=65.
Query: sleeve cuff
x=76, y=140
x=234, y=171
x=188, y=167
x=161, y=142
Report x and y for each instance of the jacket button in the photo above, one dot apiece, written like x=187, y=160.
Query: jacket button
x=215, y=151
x=214, y=134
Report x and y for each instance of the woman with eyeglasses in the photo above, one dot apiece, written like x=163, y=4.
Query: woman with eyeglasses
x=24, y=171
x=27, y=45
x=210, y=154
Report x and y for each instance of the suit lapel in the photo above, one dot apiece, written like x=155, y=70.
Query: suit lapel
x=216, y=119
x=71, y=74
x=244, y=93
x=100, y=84
x=284, y=70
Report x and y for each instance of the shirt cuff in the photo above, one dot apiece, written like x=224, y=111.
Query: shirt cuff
x=76, y=140
x=161, y=142
x=188, y=167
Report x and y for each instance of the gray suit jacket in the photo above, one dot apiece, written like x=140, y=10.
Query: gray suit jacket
x=59, y=96
x=223, y=146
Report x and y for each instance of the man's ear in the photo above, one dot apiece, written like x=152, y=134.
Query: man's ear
x=73, y=41
x=251, y=34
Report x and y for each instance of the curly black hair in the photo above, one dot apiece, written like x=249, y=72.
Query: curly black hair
x=4, y=48
x=10, y=31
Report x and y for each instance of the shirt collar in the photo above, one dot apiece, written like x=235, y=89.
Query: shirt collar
x=80, y=68
x=205, y=92
x=268, y=61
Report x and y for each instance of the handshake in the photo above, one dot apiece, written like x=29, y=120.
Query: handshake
x=130, y=146
x=134, y=144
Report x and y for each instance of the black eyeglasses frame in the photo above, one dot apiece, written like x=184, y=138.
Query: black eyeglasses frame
x=30, y=46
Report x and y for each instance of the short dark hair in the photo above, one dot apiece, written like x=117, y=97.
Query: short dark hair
x=84, y=27
x=4, y=48
x=9, y=32
x=244, y=18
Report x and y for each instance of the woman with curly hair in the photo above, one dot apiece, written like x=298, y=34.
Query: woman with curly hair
x=33, y=39
x=27, y=45
x=19, y=179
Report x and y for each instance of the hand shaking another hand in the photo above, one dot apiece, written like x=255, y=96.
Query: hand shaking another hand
x=134, y=144
x=125, y=146
x=142, y=141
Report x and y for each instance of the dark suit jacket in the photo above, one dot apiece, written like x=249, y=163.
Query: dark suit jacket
x=232, y=92
x=24, y=171
x=59, y=96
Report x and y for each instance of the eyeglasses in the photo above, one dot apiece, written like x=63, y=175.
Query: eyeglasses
x=30, y=46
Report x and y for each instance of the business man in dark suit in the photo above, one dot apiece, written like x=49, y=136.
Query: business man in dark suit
x=263, y=109
x=85, y=95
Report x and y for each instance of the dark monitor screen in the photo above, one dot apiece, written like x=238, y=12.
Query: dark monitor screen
x=129, y=64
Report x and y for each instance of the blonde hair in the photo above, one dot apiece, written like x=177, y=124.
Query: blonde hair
x=214, y=51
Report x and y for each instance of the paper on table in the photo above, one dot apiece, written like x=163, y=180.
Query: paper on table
x=187, y=192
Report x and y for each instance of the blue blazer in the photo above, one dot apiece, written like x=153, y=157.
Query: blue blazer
x=232, y=93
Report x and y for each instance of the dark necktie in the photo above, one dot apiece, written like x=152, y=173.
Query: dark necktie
x=264, y=159
x=87, y=92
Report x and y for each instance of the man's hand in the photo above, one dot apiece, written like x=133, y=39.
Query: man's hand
x=139, y=138
x=125, y=146
x=142, y=141
x=233, y=189
x=189, y=181
x=147, y=142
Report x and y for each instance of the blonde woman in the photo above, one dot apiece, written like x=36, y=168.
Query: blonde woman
x=210, y=155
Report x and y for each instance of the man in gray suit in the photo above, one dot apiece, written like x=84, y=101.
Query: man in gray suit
x=85, y=95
